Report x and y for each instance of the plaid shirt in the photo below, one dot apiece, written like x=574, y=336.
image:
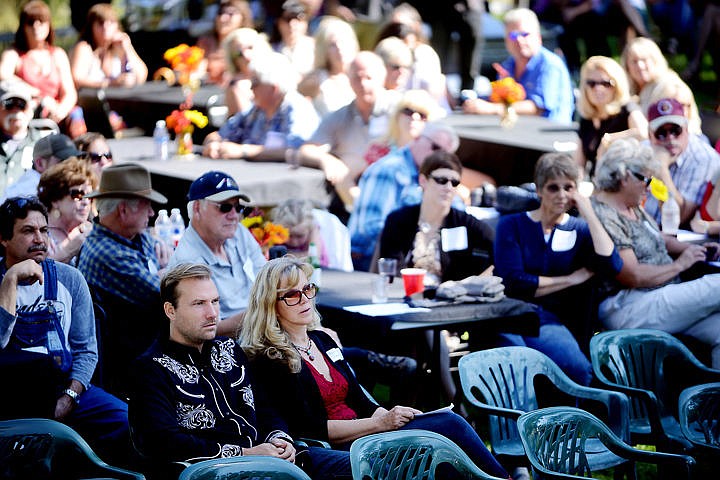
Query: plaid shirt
x=690, y=173
x=125, y=268
x=296, y=119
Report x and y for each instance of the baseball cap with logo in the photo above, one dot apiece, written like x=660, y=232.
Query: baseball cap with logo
x=667, y=110
x=56, y=145
x=217, y=187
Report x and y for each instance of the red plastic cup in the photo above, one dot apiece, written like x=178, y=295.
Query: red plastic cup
x=413, y=280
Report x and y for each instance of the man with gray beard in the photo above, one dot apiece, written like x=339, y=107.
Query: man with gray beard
x=17, y=139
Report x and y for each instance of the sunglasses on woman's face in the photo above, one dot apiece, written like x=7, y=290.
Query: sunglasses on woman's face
x=444, y=180
x=642, y=178
x=77, y=193
x=293, y=297
x=555, y=187
x=409, y=112
x=599, y=83
x=98, y=157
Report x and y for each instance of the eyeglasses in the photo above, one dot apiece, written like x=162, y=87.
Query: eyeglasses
x=410, y=112
x=555, y=188
x=98, y=157
x=13, y=207
x=515, y=34
x=433, y=146
x=228, y=11
x=226, y=207
x=77, y=193
x=395, y=66
x=444, y=180
x=14, y=102
x=31, y=21
x=666, y=131
x=293, y=297
x=601, y=83
x=290, y=16
x=642, y=178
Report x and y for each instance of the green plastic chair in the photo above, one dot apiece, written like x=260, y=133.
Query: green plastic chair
x=254, y=467
x=700, y=418
x=501, y=383
x=409, y=455
x=39, y=448
x=557, y=441
x=635, y=362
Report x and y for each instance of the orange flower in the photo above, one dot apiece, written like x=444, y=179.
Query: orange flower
x=184, y=58
x=506, y=90
x=182, y=120
x=267, y=234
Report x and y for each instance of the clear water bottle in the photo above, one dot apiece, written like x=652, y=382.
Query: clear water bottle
x=163, y=228
x=177, y=224
x=670, y=216
x=161, y=138
x=314, y=260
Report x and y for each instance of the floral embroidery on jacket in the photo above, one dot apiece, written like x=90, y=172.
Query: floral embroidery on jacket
x=186, y=373
x=221, y=356
x=195, y=416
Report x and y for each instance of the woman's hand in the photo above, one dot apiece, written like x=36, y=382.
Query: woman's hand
x=77, y=236
x=394, y=418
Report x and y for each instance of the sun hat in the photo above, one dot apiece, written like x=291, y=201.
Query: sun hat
x=129, y=180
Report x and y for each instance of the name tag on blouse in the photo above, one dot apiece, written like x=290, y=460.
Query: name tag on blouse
x=454, y=239
x=563, y=240
x=335, y=354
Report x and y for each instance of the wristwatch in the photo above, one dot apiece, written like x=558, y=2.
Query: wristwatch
x=72, y=394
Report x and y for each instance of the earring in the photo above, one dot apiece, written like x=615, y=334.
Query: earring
x=55, y=214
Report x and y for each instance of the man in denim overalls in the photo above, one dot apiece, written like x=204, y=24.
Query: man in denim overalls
x=46, y=310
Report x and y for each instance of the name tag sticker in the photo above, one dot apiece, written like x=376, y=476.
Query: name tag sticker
x=563, y=240
x=378, y=126
x=454, y=239
x=334, y=354
x=275, y=140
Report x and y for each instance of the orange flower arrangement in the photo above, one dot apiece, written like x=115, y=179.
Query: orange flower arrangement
x=184, y=58
x=266, y=233
x=507, y=91
x=183, y=120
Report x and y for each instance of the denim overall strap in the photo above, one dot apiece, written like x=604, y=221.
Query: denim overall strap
x=50, y=279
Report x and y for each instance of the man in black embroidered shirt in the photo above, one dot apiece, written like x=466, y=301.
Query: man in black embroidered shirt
x=193, y=398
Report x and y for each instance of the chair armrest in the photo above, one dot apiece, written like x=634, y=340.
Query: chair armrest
x=686, y=462
x=492, y=410
x=311, y=442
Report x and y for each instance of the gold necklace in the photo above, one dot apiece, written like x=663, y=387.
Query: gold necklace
x=305, y=350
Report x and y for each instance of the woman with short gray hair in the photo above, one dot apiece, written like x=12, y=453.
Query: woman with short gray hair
x=623, y=156
x=648, y=292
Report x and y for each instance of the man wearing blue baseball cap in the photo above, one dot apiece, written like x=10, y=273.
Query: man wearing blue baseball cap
x=216, y=238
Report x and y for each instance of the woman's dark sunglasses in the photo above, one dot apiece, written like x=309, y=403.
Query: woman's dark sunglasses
x=293, y=297
x=642, y=178
x=77, y=193
x=97, y=157
x=444, y=180
x=602, y=83
x=554, y=187
x=410, y=112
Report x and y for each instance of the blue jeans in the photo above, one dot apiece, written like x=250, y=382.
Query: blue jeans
x=454, y=427
x=326, y=464
x=102, y=420
x=555, y=341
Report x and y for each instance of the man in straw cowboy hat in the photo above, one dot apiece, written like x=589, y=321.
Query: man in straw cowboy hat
x=121, y=263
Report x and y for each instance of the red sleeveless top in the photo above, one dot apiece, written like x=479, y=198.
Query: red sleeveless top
x=333, y=393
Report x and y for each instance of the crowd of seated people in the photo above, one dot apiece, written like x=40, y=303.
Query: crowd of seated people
x=215, y=308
